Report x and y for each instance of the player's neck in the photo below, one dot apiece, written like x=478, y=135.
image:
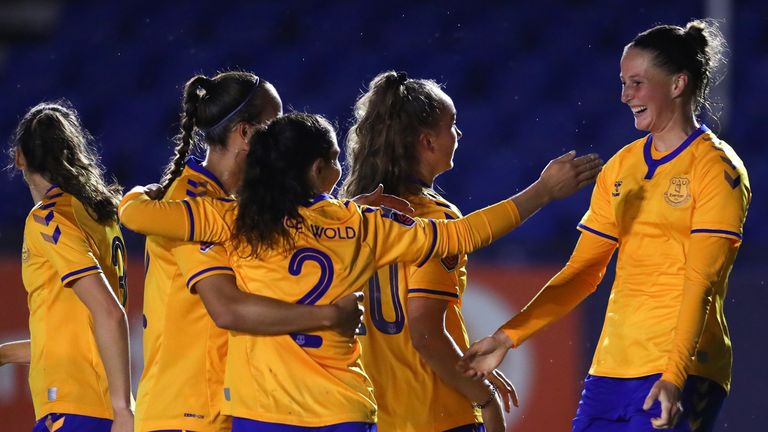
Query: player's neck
x=38, y=186
x=225, y=166
x=674, y=132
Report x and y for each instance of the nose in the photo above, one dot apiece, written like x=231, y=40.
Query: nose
x=626, y=95
x=458, y=133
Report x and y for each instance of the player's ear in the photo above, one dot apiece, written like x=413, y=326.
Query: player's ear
x=315, y=173
x=427, y=140
x=19, y=160
x=679, y=84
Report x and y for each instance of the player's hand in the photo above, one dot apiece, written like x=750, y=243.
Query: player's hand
x=485, y=355
x=668, y=395
x=348, y=314
x=505, y=389
x=493, y=417
x=378, y=198
x=567, y=174
x=123, y=421
x=154, y=191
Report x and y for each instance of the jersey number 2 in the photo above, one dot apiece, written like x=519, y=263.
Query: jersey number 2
x=322, y=286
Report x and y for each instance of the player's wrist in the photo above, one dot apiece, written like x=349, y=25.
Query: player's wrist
x=502, y=339
x=492, y=391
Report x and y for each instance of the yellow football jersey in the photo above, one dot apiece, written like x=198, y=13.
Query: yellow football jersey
x=63, y=243
x=313, y=379
x=651, y=204
x=184, y=352
x=411, y=397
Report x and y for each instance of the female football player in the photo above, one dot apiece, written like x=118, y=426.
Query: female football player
x=294, y=242
x=73, y=268
x=674, y=204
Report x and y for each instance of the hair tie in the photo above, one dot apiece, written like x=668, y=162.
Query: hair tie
x=237, y=108
x=402, y=77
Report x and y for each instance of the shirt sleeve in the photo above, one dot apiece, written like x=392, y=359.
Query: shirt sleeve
x=197, y=261
x=439, y=277
x=197, y=219
x=64, y=245
x=599, y=219
x=721, y=196
x=705, y=264
x=396, y=237
x=579, y=278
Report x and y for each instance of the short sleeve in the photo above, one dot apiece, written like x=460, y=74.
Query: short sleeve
x=63, y=243
x=197, y=261
x=438, y=278
x=599, y=219
x=721, y=195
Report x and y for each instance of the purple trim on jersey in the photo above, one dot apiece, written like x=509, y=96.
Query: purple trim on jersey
x=191, y=220
x=598, y=233
x=195, y=165
x=73, y=423
x=240, y=424
x=207, y=270
x=716, y=231
x=225, y=199
x=305, y=340
x=46, y=206
x=319, y=198
x=477, y=427
x=444, y=205
x=430, y=291
x=432, y=246
x=77, y=272
x=50, y=189
x=654, y=164
x=54, y=196
x=43, y=220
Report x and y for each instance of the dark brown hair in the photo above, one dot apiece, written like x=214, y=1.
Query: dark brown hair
x=211, y=107
x=276, y=181
x=696, y=50
x=56, y=146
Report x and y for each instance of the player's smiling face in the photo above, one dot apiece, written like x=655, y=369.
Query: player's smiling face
x=647, y=90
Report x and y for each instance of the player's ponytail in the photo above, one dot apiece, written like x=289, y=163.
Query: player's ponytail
x=381, y=145
x=277, y=182
x=211, y=107
x=56, y=146
x=696, y=50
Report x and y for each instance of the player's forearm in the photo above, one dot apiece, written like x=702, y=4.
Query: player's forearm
x=145, y=216
x=706, y=260
x=111, y=333
x=440, y=352
x=17, y=352
x=232, y=309
x=565, y=291
x=478, y=229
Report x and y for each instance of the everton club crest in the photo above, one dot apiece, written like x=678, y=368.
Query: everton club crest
x=678, y=194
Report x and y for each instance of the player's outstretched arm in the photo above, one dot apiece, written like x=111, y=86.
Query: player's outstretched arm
x=485, y=355
x=16, y=352
x=561, y=178
x=233, y=309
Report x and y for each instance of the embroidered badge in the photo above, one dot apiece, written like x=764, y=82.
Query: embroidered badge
x=616, y=187
x=678, y=194
x=24, y=253
x=205, y=247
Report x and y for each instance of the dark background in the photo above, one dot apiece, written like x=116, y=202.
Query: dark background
x=530, y=80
